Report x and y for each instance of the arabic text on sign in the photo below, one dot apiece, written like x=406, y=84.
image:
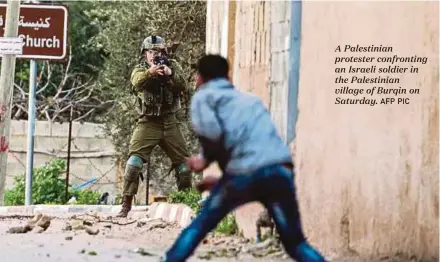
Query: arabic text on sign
x=36, y=25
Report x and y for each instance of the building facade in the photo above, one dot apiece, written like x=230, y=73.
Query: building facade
x=367, y=176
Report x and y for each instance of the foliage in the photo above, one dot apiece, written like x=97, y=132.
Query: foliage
x=188, y=197
x=191, y=197
x=86, y=197
x=227, y=226
x=15, y=196
x=48, y=187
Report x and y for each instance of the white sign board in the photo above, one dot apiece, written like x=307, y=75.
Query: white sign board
x=11, y=45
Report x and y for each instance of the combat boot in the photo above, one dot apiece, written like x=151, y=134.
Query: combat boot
x=126, y=206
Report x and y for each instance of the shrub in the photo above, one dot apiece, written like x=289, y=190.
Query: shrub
x=188, y=197
x=48, y=187
x=86, y=197
x=227, y=226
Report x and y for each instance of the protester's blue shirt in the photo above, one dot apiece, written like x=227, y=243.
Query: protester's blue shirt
x=236, y=129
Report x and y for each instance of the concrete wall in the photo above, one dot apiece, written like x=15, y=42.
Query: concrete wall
x=251, y=61
x=216, y=23
x=367, y=177
x=91, y=152
x=251, y=71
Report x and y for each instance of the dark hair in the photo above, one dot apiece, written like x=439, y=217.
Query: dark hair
x=212, y=66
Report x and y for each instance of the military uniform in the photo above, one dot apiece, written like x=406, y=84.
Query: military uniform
x=158, y=98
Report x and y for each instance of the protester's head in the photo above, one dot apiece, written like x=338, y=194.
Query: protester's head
x=210, y=67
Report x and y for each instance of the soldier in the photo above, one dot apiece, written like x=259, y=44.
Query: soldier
x=158, y=84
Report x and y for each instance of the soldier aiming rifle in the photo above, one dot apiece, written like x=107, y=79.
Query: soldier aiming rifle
x=158, y=83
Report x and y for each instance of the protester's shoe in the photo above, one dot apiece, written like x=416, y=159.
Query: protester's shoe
x=305, y=253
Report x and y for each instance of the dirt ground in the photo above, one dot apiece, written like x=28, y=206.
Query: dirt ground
x=140, y=240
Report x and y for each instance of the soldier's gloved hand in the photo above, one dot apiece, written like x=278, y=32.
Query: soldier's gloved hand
x=167, y=70
x=156, y=70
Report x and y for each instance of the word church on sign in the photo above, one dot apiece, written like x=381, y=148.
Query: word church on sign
x=29, y=41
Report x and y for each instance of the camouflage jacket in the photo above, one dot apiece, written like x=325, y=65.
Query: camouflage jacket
x=158, y=95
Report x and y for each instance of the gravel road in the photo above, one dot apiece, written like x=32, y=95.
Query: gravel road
x=133, y=242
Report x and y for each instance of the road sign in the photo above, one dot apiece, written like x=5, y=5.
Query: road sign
x=43, y=29
x=11, y=46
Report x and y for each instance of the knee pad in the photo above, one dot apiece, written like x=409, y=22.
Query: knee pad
x=135, y=161
x=133, y=168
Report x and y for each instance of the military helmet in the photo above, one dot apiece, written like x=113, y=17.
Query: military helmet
x=153, y=42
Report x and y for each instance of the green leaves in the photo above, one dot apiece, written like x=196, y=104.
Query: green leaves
x=188, y=197
x=86, y=197
x=227, y=226
x=48, y=187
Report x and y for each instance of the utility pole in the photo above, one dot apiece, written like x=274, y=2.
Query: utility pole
x=6, y=90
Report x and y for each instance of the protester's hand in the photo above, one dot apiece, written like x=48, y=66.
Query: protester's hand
x=156, y=70
x=207, y=183
x=196, y=163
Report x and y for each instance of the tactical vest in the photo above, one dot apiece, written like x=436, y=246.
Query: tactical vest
x=158, y=97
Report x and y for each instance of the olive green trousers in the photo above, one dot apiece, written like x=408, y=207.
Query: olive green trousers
x=163, y=131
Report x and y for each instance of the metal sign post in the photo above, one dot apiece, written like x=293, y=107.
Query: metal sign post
x=31, y=131
x=68, y=153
